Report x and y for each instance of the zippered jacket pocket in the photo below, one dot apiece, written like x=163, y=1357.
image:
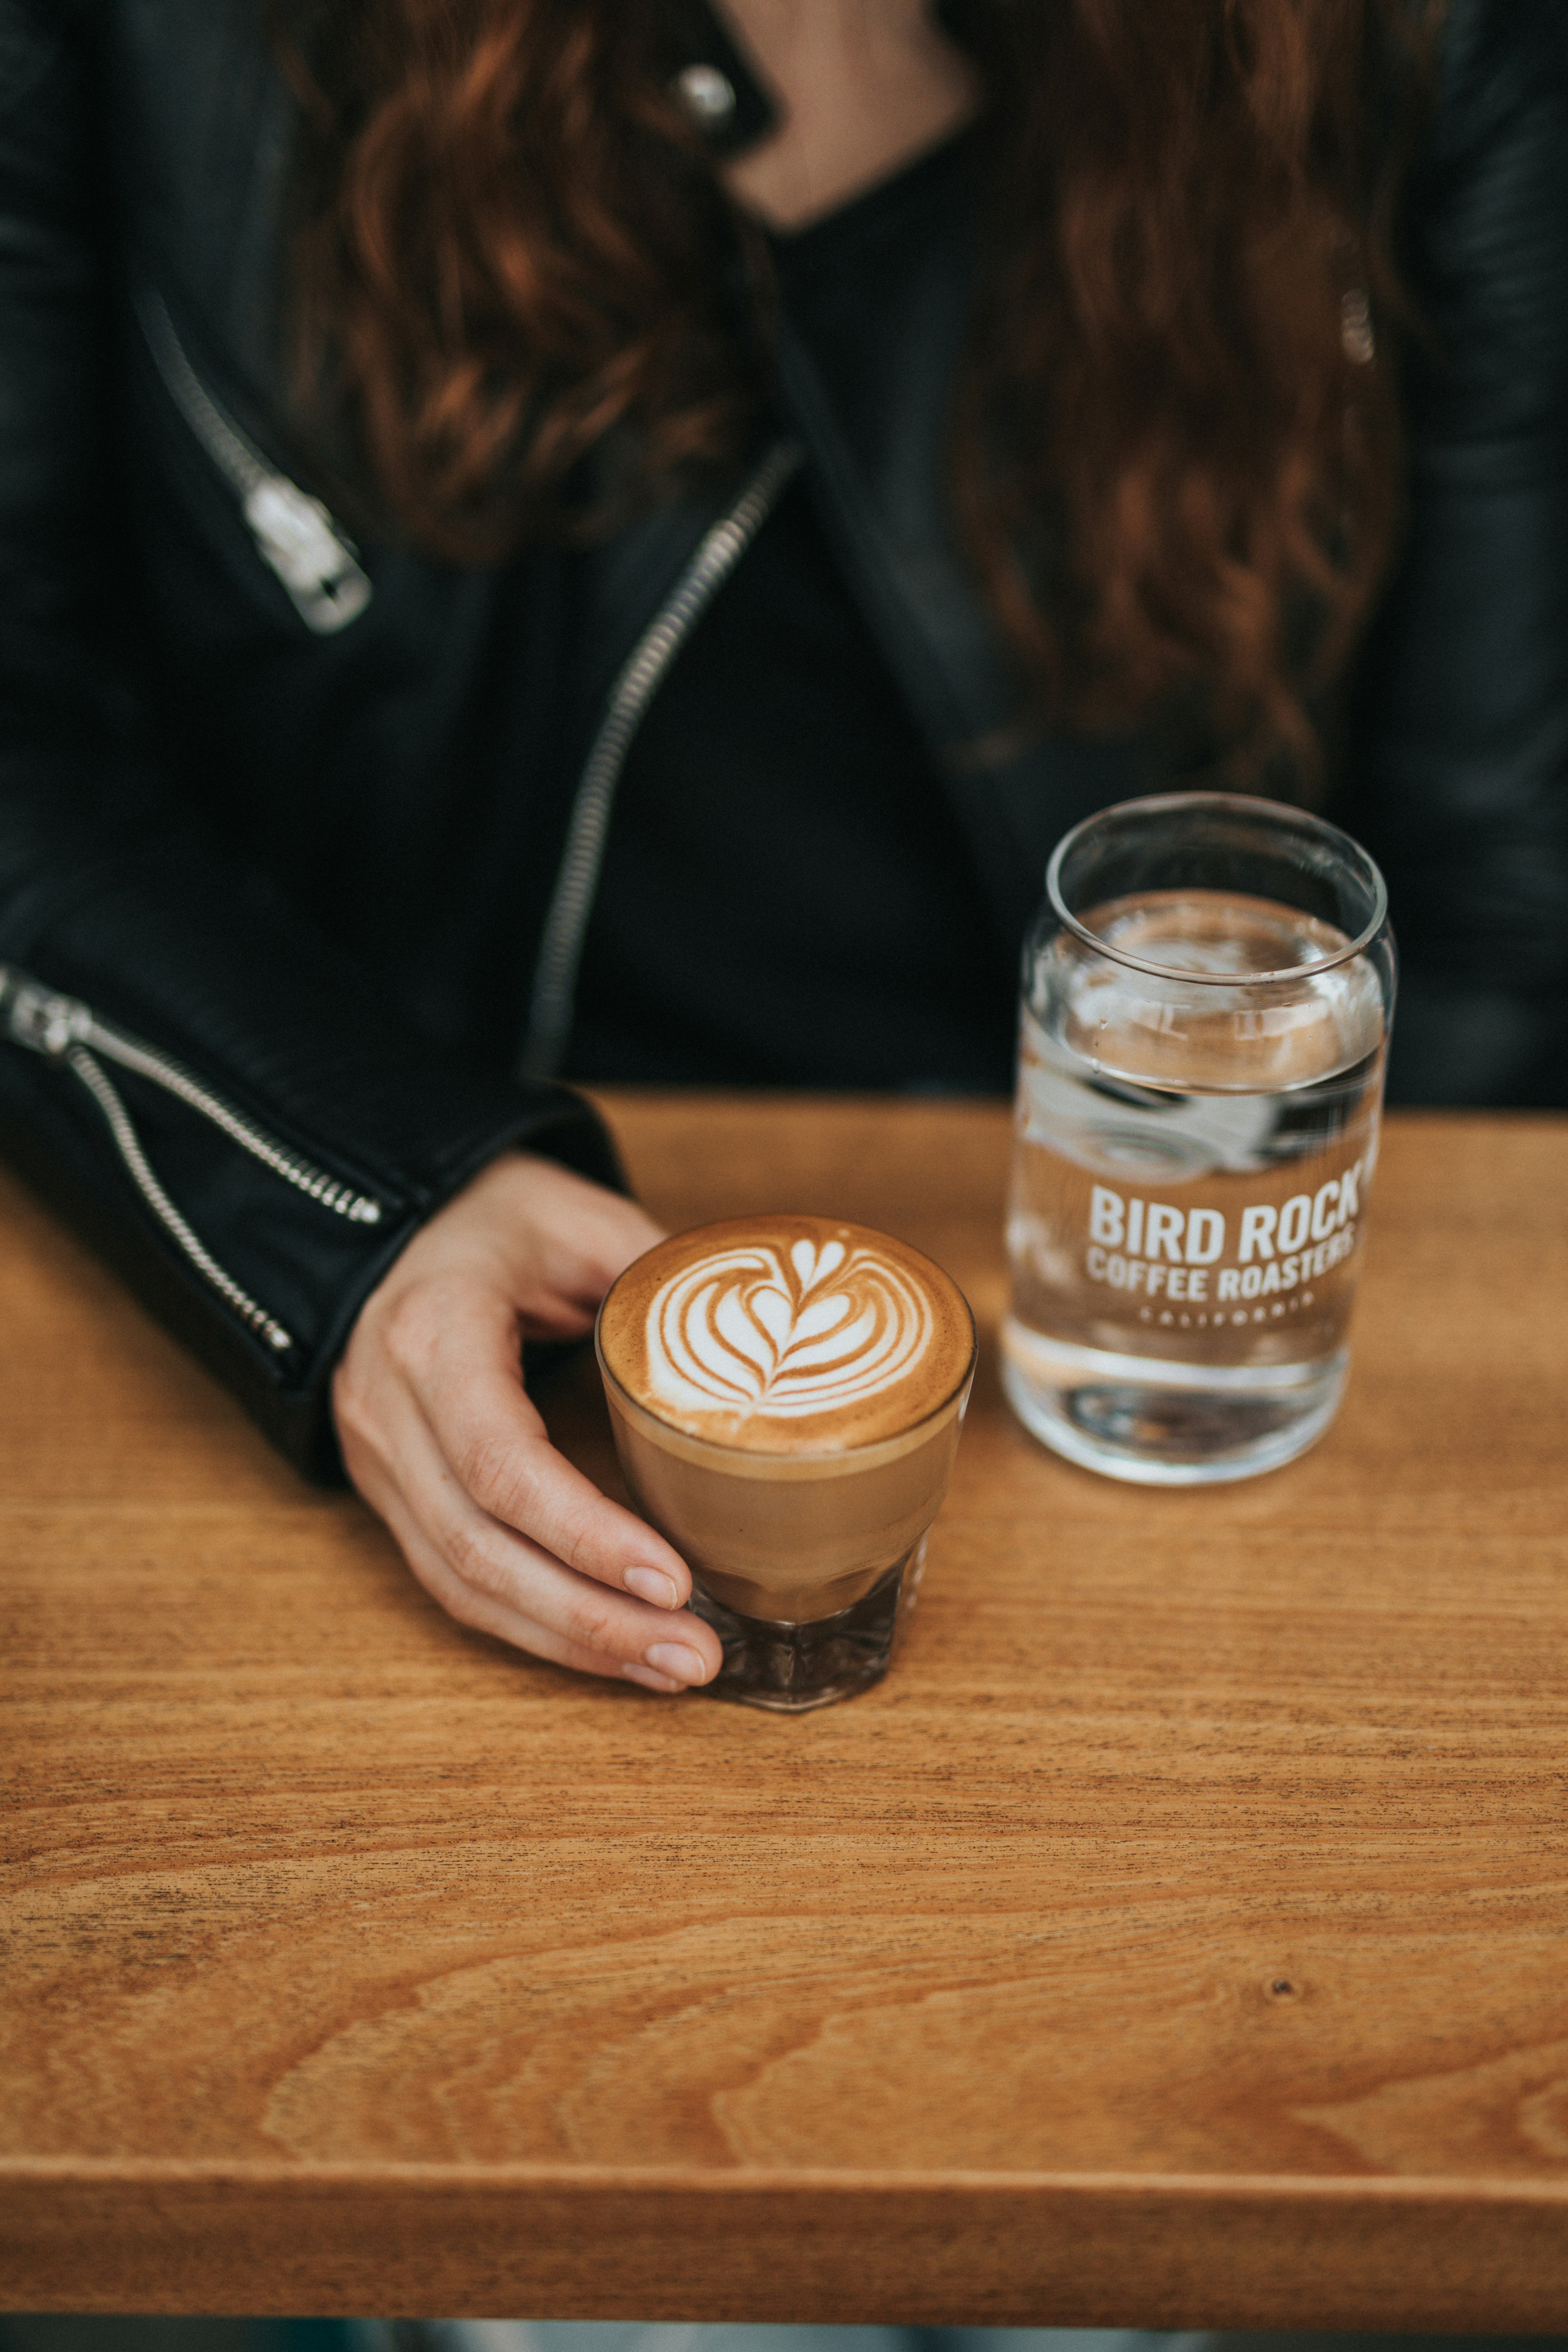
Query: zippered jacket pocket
x=71, y=1033
x=295, y=535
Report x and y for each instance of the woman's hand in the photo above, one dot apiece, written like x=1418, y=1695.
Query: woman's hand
x=440, y=1439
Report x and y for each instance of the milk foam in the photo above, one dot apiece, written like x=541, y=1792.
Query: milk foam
x=777, y=1336
x=760, y=1330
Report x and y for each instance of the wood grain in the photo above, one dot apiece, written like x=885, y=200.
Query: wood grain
x=1175, y=1938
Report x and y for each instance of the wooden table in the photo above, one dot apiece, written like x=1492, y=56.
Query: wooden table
x=1179, y=1936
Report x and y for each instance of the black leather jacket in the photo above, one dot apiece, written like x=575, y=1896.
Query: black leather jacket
x=282, y=820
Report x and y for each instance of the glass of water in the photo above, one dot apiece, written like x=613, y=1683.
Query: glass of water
x=1207, y=993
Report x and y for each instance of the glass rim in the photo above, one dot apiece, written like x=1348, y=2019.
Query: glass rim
x=1280, y=811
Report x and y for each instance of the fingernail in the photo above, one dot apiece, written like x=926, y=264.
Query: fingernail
x=675, y=1658
x=650, y=1681
x=652, y=1584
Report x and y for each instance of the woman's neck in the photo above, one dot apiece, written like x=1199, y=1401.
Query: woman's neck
x=865, y=85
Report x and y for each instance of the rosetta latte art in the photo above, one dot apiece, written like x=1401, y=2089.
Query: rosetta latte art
x=752, y=1329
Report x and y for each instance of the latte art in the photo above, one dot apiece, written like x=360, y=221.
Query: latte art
x=787, y=1335
x=784, y=1332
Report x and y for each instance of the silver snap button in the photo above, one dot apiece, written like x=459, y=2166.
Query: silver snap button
x=1356, y=334
x=708, y=96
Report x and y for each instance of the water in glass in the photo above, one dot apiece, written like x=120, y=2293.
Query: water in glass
x=1184, y=1254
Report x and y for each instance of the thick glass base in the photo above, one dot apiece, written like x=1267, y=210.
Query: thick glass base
x=1160, y=1424
x=792, y=1668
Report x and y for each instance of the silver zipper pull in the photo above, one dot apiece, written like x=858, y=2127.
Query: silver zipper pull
x=297, y=537
x=35, y=1017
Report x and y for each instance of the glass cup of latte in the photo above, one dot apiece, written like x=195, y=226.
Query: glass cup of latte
x=1207, y=993
x=786, y=1395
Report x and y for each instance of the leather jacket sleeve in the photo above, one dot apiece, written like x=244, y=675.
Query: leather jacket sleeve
x=1459, y=746
x=208, y=1088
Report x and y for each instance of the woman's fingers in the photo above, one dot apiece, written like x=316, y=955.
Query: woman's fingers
x=458, y=1349
x=492, y=1436
x=498, y=1579
x=488, y=1610
x=440, y=1437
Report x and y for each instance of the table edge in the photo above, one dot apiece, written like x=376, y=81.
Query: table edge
x=758, y=2181
x=999, y=2249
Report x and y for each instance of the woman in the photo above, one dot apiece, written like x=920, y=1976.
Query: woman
x=447, y=447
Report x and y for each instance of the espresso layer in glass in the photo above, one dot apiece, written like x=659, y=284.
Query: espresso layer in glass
x=787, y=1537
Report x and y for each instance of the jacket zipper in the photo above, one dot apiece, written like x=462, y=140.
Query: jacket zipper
x=65, y=1030
x=560, y=950
x=295, y=535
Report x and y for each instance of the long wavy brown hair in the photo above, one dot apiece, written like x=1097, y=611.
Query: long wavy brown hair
x=1176, y=438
